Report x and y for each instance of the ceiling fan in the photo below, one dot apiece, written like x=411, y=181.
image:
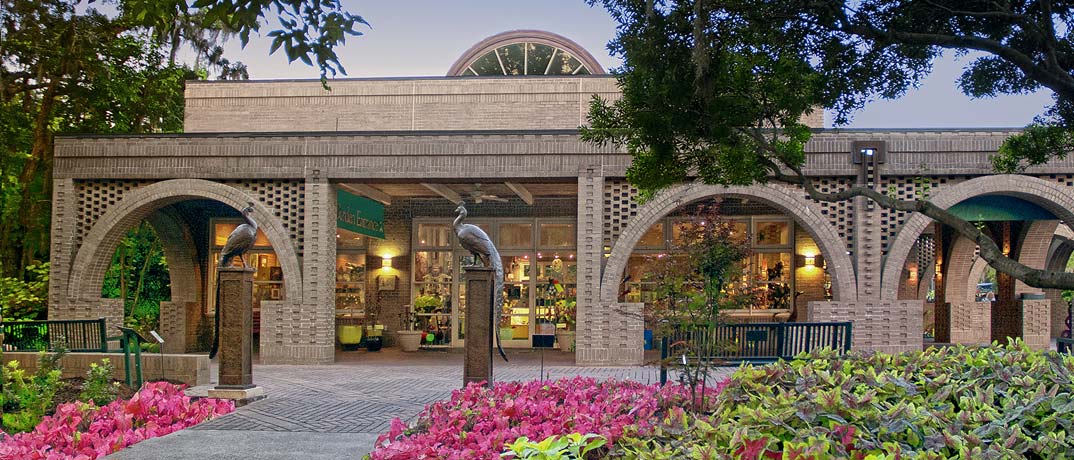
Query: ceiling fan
x=478, y=196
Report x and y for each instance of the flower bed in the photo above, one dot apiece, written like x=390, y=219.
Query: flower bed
x=476, y=422
x=85, y=431
x=998, y=402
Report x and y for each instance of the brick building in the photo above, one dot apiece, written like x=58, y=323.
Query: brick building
x=355, y=190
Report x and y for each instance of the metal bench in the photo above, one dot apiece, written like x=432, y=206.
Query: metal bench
x=76, y=335
x=758, y=343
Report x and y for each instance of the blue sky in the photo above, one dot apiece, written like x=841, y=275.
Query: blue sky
x=424, y=37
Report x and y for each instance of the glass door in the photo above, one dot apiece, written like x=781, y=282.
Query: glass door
x=516, y=319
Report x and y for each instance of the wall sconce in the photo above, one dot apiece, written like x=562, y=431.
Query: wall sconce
x=386, y=262
x=810, y=261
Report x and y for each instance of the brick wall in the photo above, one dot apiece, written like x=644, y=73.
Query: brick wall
x=807, y=280
x=891, y=326
x=1036, y=323
x=971, y=322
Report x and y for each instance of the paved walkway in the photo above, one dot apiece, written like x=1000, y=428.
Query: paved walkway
x=337, y=411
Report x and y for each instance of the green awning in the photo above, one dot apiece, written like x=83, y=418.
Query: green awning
x=993, y=208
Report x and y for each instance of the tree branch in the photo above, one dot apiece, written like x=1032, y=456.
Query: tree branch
x=990, y=252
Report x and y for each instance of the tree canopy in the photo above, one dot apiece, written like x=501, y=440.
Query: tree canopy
x=110, y=67
x=717, y=90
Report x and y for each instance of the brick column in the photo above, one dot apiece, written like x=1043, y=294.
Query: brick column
x=593, y=334
x=477, y=366
x=63, y=246
x=302, y=331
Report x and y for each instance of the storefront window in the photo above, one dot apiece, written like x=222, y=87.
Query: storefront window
x=515, y=319
x=557, y=291
x=519, y=236
x=433, y=282
x=434, y=235
x=772, y=233
x=557, y=235
x=654, y=238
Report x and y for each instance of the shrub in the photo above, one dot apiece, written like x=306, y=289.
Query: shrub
x=573, y=446
x=27, y=398
x=99, y=386
x=477, y=422
x=998, y=402
x=82, y=430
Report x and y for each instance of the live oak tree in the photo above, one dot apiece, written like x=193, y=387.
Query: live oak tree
x=715, y=90
x=110, y=67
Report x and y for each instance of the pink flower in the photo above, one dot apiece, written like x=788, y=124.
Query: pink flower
x=159, y=408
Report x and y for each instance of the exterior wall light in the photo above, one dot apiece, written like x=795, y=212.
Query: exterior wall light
x=386, y=262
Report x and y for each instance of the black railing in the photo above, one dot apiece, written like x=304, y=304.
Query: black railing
x=732, y=344
x=1065, y=345
x=77, y=335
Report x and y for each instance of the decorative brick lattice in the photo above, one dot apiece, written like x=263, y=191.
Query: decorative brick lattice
x=620, y=206
x=95, y=197
x=926, y=252
x=285, y=198
x=905, y=188
x=838, y=213
x=1062, y=179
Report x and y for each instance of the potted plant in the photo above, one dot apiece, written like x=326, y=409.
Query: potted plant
x=374, y=333
x=565, y=311
x=427, y=304
x=409, y=339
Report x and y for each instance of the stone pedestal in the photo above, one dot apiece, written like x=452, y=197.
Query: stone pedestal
x=479, y=303
x=235, y=307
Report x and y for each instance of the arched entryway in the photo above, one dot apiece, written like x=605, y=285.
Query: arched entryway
x=1026, y=237
x=155, y=203
x=806, y=214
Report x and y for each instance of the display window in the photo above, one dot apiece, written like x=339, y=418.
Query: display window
x=540, y=274
x=768, y=272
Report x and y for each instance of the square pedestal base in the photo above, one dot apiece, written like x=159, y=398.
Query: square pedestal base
x=241, y=396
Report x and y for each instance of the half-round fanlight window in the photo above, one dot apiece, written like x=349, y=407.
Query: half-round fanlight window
x=525, y=52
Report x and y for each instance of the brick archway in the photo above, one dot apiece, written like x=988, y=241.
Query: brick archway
x=793, y=204
x=1055, y=198
x=179, y=314
x=95, y=253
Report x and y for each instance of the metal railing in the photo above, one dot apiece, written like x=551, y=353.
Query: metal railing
x=1065, y=345
x=77, y=335
x=732, y=344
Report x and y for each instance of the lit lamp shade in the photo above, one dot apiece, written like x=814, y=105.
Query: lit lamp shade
x=810, y=261
x=386, y=262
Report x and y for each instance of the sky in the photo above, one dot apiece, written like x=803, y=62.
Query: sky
x=424, y=37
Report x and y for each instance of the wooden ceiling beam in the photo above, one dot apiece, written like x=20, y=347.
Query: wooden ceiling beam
x=444, y=191
x=368, y=191
x=521, y=191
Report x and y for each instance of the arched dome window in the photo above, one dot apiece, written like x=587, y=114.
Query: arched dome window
x=525, y=52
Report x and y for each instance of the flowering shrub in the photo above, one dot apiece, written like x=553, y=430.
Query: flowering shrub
x=998, y=402
x=84, y=431
x=477, y=422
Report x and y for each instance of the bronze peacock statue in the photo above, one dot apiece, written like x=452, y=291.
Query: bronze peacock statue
x=238, y=243
x=475, y=240
x=240, y=240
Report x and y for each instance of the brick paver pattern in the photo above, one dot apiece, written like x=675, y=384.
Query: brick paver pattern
x=363, y=392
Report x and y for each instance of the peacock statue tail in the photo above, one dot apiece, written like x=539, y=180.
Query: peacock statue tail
x=497, y=267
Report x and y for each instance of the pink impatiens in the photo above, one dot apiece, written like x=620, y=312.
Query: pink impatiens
x=476, y=422
x=84, y=431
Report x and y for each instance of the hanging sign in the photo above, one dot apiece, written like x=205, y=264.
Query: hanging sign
x=359, y=214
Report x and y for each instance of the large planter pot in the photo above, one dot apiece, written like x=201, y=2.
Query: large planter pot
x=349, y=336
x=565, y=340
x=409, y=340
